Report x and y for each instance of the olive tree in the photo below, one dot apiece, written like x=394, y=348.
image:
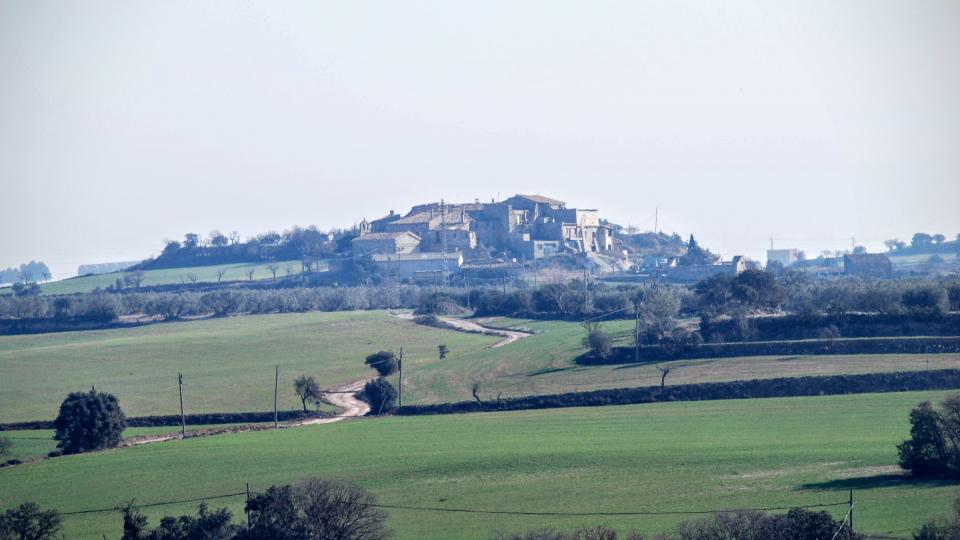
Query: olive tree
x=89, y=421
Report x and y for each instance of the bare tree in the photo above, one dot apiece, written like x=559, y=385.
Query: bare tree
x=306, y=388
x=338, y=509
x=249, y=272
x=134, y=278
x=664, y=371
x=474, y=390
x=289, y=270
x=220, y=273
x=192, y=277
x=273, y=268
x=443, y=350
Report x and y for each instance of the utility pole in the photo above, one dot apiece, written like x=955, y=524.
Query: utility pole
x=183, y=419
x=656, y=220
x=443, y=248
x=276, y=390
x=636, y=336
x=246, y=507
x=851, y=512
x=400, y=369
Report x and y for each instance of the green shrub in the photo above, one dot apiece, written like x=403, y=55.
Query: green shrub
x=89, y=421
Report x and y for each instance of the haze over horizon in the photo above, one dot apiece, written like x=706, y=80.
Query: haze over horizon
x=122, y=124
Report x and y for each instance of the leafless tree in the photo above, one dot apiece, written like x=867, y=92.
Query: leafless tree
x=220, y=274
x=273, y=268
x=664, y=371
x=192, y=277
x=249, y=273
x=338, y=509
x=306, y=388
x=474, y=390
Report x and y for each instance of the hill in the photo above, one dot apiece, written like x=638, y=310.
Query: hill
x=228, y=362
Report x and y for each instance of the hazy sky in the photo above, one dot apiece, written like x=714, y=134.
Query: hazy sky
x=125, y=123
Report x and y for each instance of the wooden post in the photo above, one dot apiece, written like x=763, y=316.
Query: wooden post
x=183, y=419
x=851, y=512
x=400, y=369
x=246, y=507
x=636, y=337
x=276, y=390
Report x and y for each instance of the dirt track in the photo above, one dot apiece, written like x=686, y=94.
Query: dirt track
x=343, y=397
x=509, y=336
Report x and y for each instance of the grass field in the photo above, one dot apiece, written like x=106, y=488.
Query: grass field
x=659, y=457
x=543, y=364
x=37, y=443
x=228, y=363
x=204, y=274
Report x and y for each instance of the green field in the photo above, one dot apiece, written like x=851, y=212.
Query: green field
x=228, y=363
x=659, y=457
x=544, y=364
x=167, y=276
x=37, y=443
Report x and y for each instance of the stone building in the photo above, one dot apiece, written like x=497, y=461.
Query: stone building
x=401, y=242
x=419, y=267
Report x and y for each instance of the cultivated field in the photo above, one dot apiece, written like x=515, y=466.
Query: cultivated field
x=659, y=457
x=204, y=274
x=544, y=364
x=228, y=363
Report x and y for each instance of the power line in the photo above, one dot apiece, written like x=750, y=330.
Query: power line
x=150, y=505
x=575, y=514
x=490, y=512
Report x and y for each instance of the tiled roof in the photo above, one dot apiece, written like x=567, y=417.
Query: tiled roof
x=419, y=217
x=385, y=236
x=540, y=199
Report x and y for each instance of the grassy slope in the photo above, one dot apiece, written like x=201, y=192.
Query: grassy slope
x=543, y=364
x=227, y=363
x=670, y=456
x=234, y=272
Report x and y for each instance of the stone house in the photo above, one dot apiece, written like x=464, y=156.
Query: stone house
x=402, y=242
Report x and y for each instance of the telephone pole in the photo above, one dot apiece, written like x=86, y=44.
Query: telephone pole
x=443, y=248
x=276, y=390
x=851, y=512
x=400, y=369
x=636, y=337
x=183, y=419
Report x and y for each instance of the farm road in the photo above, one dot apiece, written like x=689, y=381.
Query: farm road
x=509, y=336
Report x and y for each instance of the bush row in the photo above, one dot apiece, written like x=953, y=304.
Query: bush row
x=942, y=379
x=830, y=325
x=174, y=420
x=920, y=345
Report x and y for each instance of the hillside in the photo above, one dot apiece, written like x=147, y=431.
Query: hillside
x=228, y=362
x=660, y=458
x=168, y=276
